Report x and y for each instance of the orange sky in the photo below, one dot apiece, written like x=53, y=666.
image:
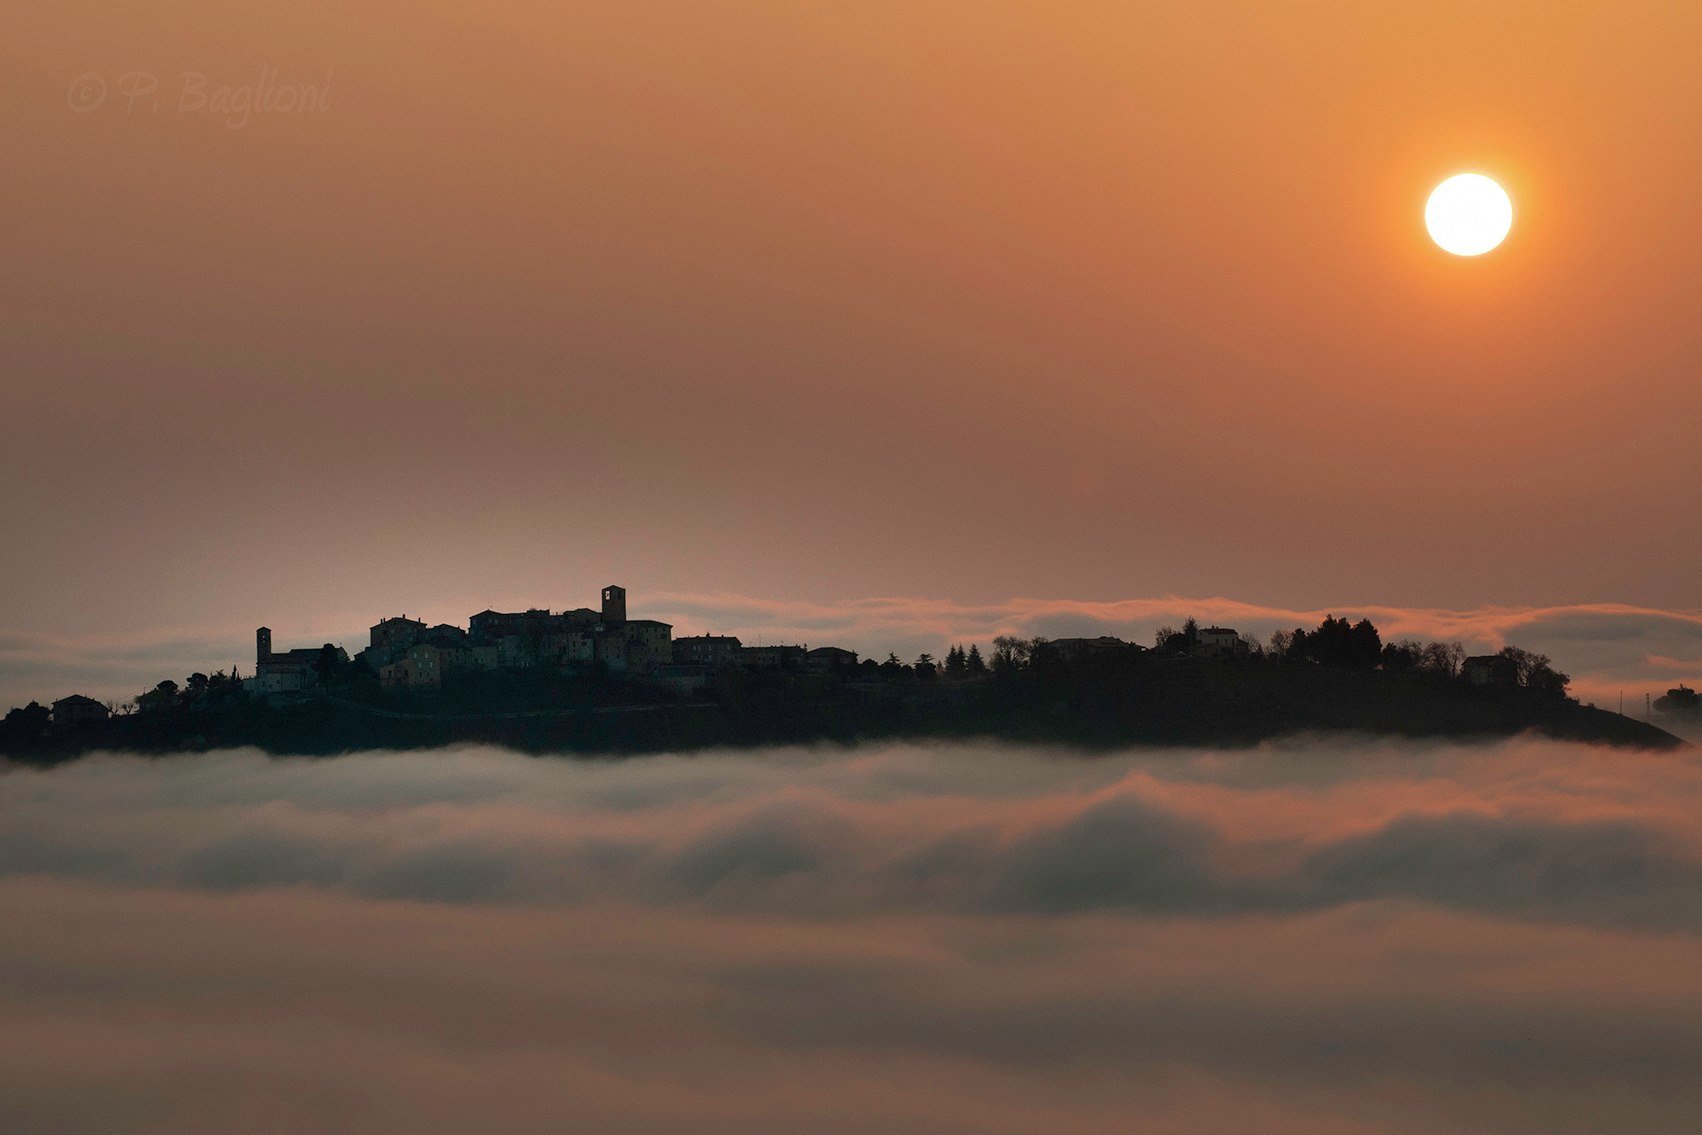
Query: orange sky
x=819, y=301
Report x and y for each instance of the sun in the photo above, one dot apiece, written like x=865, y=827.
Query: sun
x=1469, y=214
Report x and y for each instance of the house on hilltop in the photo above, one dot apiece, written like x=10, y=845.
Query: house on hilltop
x=78, y=710
x=830, y=658
x=1490, y=670
x=1219, y=642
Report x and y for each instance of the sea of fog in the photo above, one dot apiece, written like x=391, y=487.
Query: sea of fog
x=1317, y=937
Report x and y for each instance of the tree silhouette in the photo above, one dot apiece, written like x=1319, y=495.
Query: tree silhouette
x=29, y=720
x=1535, y=672
x=1338, y=642
x=1011, y=654
x=1443, y=658
x=1402, y=656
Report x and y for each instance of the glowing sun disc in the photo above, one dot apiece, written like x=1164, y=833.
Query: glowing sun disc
x=1468, y=214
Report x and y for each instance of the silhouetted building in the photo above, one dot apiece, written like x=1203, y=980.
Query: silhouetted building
x=770, y=657
x=544, y=646
x=1490, y=670
x=444, y=634
x=706, y=650
x=647, y=642
x=579, y=646
x=78, y=710
x=830, y=658
x=1075, y=649
x=520, y=639
x=637, y=646
x=481, y=654
x=614, y=607
x=290, y=671
x=1219, y=642
x=388, y=638
x=1680, y=699
x=503, y=624
x=538, y=624
x=421, y=668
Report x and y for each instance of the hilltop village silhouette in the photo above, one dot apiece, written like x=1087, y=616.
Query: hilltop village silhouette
x=595, y=680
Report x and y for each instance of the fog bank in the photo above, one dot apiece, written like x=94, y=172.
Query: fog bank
x=1313, y=937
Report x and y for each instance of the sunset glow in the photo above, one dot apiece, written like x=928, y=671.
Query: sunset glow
x=890, y=567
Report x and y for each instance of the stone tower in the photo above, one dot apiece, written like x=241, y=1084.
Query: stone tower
x=614, y=606
x=262, y=645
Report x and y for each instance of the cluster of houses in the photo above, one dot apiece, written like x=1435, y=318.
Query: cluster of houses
x=1076, y=649
x=409, y=654
x=1219, y=643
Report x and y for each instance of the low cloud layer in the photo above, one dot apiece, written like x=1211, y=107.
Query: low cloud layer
x=1309, y=937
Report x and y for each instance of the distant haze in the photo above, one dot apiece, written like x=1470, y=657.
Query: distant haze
x=818, y=302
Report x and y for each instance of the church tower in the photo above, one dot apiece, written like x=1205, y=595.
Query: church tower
x=262, y=645
x=614, y=606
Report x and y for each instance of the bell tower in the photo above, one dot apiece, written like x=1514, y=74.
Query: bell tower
x=614, y=606
x=262, y=645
